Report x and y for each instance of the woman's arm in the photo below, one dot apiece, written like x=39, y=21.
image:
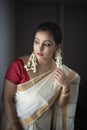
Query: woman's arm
x=9, y=90
x=63, y=98
x=65, y=88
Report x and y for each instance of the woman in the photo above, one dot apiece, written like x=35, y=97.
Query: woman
x=34, y=85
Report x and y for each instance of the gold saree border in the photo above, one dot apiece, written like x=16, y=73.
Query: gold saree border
x=25, y=86
x=71, y=75
x=40, y=111
x=46, y=106
x=64, y=116
x=33, y=117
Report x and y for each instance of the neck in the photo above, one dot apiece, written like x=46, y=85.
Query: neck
x=45, y=62
x=46, y=65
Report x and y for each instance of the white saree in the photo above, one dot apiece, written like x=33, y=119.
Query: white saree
x=33, y=101
x=63, y=119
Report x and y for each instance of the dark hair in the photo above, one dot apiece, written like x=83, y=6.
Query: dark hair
x=53, y=29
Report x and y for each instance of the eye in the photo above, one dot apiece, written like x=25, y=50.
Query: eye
x=47, y=44
x=36, y=42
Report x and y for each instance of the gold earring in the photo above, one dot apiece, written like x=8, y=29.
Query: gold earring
x=32, y=63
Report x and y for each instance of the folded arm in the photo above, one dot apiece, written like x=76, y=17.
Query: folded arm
x=9, y=90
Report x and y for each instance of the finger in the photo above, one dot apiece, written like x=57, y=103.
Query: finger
x=60, y=71
x=58, y=78
x=61, y=76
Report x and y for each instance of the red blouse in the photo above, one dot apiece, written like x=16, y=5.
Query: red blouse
x=16, y=72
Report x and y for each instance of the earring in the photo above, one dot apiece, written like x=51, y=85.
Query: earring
x=58, y=58
x=32, y=63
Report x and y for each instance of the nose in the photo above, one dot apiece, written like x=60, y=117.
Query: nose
x=40, y=47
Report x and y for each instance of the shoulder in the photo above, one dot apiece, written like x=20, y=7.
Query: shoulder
x=70, y=73
x=15, y=64
x=20, y=61
x=15, y=70
x=24, y=59
x=15, y=67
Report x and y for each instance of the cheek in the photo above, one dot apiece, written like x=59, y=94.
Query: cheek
x=50, y=52
x=34, y=47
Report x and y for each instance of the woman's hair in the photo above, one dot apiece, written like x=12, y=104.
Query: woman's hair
x=53, y=29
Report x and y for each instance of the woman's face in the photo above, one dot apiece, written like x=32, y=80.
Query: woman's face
x=44, y=45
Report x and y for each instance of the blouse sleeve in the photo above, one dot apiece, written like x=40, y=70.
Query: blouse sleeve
x=13, y=73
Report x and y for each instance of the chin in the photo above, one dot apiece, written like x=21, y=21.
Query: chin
x=40, y=58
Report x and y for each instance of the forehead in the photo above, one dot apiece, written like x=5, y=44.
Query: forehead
x=44, y=35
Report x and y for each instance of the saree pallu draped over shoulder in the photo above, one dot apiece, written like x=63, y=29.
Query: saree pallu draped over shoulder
x=34, y=98
x=64, y=118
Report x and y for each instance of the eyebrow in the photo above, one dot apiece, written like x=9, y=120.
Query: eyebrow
x=45, y=40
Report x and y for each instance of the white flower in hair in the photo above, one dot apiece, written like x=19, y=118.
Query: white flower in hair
x=58, y=58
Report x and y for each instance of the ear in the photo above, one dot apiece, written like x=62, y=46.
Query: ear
x=57, y=46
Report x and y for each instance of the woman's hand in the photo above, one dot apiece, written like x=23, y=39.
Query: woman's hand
x=62, y=80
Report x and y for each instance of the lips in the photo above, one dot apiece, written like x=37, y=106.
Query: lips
x=39, y=53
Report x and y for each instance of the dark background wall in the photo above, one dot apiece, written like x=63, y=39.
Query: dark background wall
x=27, y=18
x=70, y=16
x=75, y=45
x=19, y=19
